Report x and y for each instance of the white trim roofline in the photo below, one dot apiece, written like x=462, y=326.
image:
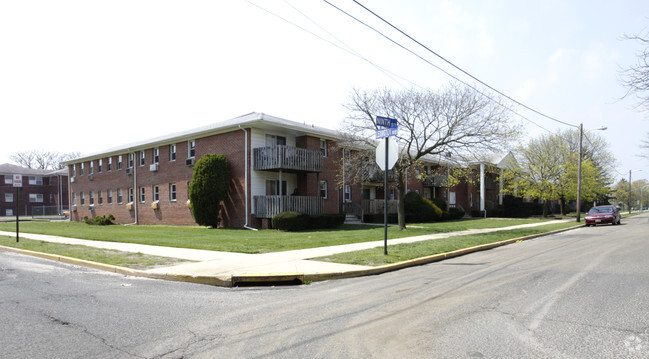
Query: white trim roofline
x=253, y=119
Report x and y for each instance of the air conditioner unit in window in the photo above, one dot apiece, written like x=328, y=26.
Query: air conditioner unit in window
x=129, y=171
x=91, y=177
x=189, y=161
x=74, y=208
x=72, y=179
x=153, y=167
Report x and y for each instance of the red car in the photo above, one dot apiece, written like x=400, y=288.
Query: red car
x=603, y=214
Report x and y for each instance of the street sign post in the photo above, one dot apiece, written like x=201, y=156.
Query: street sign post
x=389, y=152
x=17, y=181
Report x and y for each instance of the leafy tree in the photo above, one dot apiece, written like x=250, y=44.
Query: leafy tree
x=42, y=159
x=209, y=187
x=455, y=120
x=547, y=168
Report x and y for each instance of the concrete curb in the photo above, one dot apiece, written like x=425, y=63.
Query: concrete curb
x=286, y=278
x=211, y=280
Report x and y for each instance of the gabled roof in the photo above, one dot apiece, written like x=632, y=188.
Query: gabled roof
x=251, y=120
x=8, y=169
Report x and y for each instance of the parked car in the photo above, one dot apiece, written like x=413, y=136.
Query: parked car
x=603, y=214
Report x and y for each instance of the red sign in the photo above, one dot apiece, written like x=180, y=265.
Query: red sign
x=18, y=180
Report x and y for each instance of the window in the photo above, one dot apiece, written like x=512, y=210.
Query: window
x=74, y=170
x=83, y=198
x=92, y=167
x=142, y=154
x=273, y=140
x=272, y=188
x=348, y=193
x=156, y=155
x=347, y=154
x=323, y=147
x=142, y=197
x=35, y=198
x=323, y=189
x=81, y=169
x=109, y=196
x=119, y=162
x=9, y=179
x=9, y=212
x=109, y=166
x=131, y=159
x=74, y=199
x=100, y=164
x=392, y=194
x=35, y=181
x=172, y=152
x=119, y=195
x=9, y=197
x=156, y=193
x=172, y=192
x=91, y=198
x=191, y=149
x=100, y=198
x=130, y=195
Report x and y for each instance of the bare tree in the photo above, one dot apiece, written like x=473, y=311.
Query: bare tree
x=41, y=159
x=636, y=80
x=456, y=119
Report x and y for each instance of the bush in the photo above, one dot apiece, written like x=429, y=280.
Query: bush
x=420, y=209
x=99, y=220
x=441, y=203
x=295, y=221
x=209, y=187
x=378, y=218
x=455, y=213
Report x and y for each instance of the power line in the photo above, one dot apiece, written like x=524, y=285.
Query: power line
x=442, y=70
x=458, y=68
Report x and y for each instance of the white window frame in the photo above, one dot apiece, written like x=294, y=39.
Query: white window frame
x=36, y=198
x=9, y=212
x=172, y=192
x=100, y=198
x=348, y=193
x=323, y=147
x=156, y=155
x=131, y=195
x=119, y=162
x=191, y=149
x=91, y=198
x=9, y=197
x=142, y=158
x=156, y=193
x=131, y=160
x=35, y=180
x=9, y=179
x=120, y=196
x=172, y=152
x=142, y=194
x=92, y=167
x=81, y=169
x=109, y=165
x=323, y=187
x=82, y=198
x=100, y=165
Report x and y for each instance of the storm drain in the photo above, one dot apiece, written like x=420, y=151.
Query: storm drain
x=267, y=280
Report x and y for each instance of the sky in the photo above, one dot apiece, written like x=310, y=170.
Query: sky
x=84, y=76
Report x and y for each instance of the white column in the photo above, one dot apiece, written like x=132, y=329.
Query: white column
x=482, y=188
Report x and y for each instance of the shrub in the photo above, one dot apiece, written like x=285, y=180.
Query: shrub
x=441, y=203
x=291, y=221
x=99, y=220
x=209, y=187
x=419, y=209
x=455, y=213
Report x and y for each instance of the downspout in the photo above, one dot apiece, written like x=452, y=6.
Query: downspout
x=245, y=160
x=134, y=189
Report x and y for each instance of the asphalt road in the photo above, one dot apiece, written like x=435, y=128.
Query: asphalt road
x=580, y=294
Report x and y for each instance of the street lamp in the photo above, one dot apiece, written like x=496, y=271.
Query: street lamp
x=581, y=140
x=630, y=188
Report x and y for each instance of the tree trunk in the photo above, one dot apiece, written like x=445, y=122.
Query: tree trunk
x=401, y=186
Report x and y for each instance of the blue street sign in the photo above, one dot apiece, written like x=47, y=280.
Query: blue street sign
x=386, y=122
x=386, y=132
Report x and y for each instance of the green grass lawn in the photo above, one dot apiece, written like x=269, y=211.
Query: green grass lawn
x=247, y=241
x=106, y=256
x=403, y=252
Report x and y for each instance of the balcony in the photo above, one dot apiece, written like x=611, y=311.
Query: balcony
x=436, y=181
x=287, y=158
x=371, y=173
x=269, y=206
x=375, y=206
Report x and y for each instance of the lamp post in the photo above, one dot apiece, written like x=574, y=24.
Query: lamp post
x=630, y=188
x=581, y=141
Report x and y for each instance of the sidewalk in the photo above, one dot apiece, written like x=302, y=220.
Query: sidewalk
x=228, y=267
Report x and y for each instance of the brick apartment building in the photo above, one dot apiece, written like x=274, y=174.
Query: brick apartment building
x=276, y=165
x=43, y=192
